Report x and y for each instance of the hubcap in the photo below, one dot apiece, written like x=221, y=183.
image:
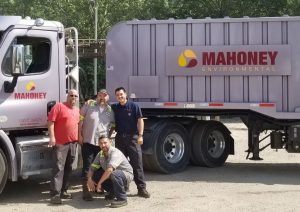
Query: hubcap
x=216, y=144
x=173, y=148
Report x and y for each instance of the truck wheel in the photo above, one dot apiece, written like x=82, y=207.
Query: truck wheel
x=197, y=128
x=211, y=144
x=171, y=149
x=3, y=170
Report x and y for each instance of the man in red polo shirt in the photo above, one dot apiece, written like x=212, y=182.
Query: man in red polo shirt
x=63, y=123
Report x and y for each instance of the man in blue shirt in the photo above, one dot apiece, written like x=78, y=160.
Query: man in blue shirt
x=130, y=127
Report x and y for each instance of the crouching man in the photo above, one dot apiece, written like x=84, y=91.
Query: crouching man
x=110, y=171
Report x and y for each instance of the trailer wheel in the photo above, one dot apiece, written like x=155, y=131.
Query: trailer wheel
x=197, y=127
x=171, y=149
x=3, y=170
x=211, y=144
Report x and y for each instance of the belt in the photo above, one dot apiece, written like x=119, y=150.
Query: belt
x=69, y=142
x=126, y=134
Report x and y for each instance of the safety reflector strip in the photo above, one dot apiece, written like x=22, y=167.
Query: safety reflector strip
x=170, y=104
x=216, y=105
x=266, y=105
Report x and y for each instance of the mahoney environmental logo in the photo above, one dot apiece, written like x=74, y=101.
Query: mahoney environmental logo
x=30, y=94
x=228, y=60
x=30, y=86
x=187, y=59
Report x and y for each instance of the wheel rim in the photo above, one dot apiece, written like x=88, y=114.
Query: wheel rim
x=216, y=144
x=173, y=148
x=2, y=168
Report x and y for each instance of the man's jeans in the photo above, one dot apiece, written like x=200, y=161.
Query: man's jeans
x=115, y=184
x=64, y=155
x=130, y=148
x=89, y=152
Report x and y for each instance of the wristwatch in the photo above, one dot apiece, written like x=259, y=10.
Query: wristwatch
x=141, y=135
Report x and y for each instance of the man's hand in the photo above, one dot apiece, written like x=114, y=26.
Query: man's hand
x=52, y=142
x=140, y=140
x=91, y=185
x=99, y=187
x=90, y=102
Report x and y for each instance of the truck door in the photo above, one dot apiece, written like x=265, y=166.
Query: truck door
x=26, y=105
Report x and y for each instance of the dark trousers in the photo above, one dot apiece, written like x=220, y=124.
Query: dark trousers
x=128, y=145
x=89, y=152
x=115, y=184
x=64, y=156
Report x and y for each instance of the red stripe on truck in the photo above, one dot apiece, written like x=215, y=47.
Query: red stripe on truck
x=266, y=105
x=215, y=104
x=170, y=104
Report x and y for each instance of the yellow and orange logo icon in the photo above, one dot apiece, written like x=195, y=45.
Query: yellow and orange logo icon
x=30, y=86
x=187, y=59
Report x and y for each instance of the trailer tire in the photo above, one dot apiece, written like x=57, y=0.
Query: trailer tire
x=171, y=149
x=3, y=170
x=211, y=144
x=197, y=127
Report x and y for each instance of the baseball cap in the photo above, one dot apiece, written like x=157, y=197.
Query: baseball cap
x=103, y=91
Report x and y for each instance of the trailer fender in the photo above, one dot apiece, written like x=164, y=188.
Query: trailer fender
x=9, y=150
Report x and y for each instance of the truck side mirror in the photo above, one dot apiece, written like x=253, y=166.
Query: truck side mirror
x=18, y=60
x=18, y=67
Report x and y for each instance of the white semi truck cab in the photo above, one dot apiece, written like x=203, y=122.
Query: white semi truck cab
x=38, y=65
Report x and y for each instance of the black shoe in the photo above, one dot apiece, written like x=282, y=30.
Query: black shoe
x=55, y=200
x=109, y=196
x=66, y=195
x=143, y=193
x=118, y=203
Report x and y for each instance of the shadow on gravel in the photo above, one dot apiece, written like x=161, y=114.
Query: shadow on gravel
x=262, y=173
x=36, y=190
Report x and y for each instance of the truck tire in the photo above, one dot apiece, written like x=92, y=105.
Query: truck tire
x=197, y=127
x=211, y=144
x=171, y=150
x=3, y=170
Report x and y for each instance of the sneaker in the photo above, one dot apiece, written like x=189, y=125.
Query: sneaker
x=55, y=200
x=109, y=196
x=118, y=203
x=143, y=193
x=66, y=195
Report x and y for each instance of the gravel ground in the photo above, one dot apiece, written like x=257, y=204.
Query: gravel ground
x=241, y=185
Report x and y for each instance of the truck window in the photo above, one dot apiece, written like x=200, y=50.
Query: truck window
x=37, y=55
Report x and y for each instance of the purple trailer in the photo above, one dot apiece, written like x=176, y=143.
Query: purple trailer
x=179, y=71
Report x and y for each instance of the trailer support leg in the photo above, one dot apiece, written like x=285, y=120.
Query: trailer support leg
x=253, y=136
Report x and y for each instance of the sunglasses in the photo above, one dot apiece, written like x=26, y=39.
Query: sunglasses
x=71, y=95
